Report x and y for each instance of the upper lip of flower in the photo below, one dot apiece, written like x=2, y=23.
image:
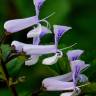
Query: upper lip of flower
x=74, y=54
x=38, y=4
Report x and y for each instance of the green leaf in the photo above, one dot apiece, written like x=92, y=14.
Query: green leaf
x=15, y=65
x=2, y=75
x=5, y=92
x=6, y=49
x=34, y=76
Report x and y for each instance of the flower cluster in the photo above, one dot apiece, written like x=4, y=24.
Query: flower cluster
x=69, y=80
x=35, y=50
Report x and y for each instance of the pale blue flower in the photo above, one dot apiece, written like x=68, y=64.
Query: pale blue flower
x=58, y=32
x=62, y=82
x=20, y=24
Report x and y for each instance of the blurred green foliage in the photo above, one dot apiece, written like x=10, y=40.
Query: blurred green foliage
x=79, y=14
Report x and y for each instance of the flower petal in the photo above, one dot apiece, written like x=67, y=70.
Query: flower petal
x=33, y=60
x=20, y=24
x=76, y=73
x=56, y=85
x=67, y=94
x=35, y=32
x=30, y=49
x=36, y=40
x=80, y=63
x=74, y=54
x=66, y=77
x=38, y=4
x=76, y=92
x=50, y=60
x=59, y=31
x=44, y=31
x=83, y=78
x=39, y=31
x=53, y=59
x=77, y=66
x=18, y=45
x=39, y=49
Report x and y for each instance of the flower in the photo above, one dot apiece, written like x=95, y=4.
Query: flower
x=67, y=94
x=57, y=83
x=46, y=49
x=77, y=67
x=16, y=25
x=69, y=80
x=32, y=60
x=39, y=50
x=53, y=59
x=58, y=31
x=74, y=93
x=20, y=24
x=61, y=83
x=38, y=31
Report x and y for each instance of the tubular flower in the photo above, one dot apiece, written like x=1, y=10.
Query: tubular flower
x=58, y=32
x=68, y=81
x=20, y=24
